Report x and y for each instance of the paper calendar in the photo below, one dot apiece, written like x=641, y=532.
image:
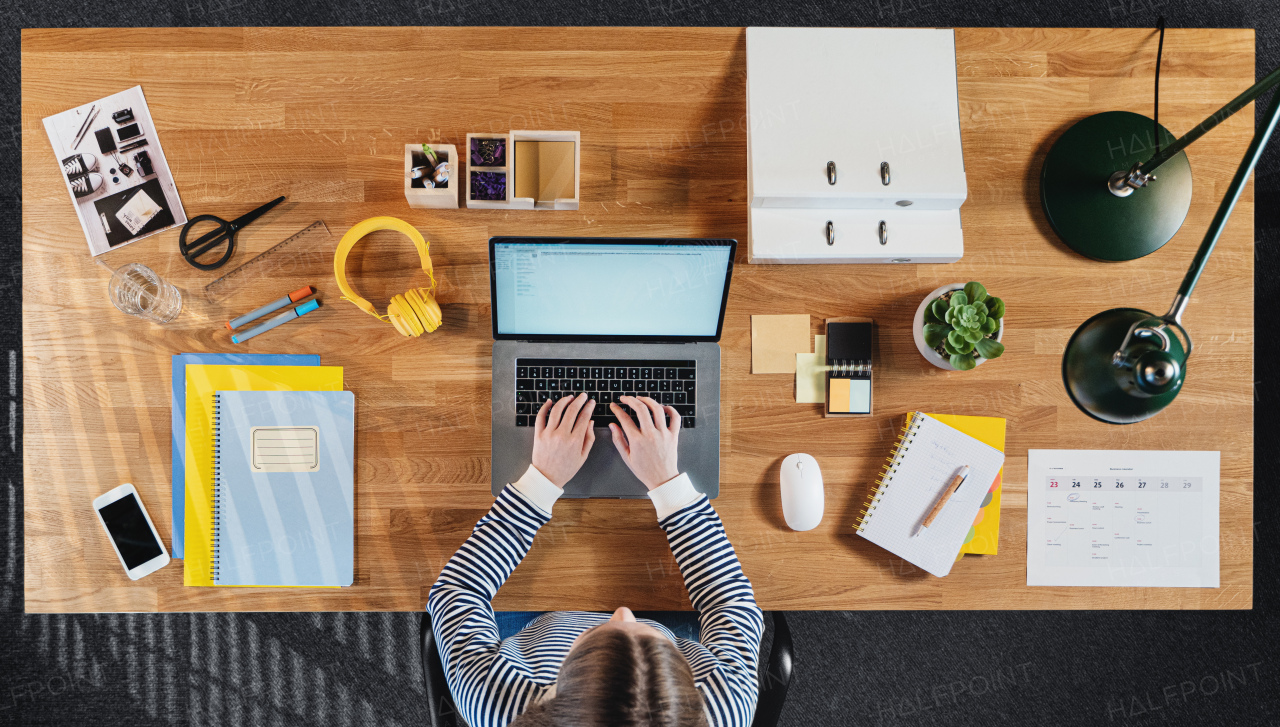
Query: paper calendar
x=1122, y=518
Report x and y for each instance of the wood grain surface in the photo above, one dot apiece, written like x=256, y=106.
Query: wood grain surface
x=322, y=115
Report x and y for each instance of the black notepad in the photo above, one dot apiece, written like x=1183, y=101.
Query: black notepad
x=849, y=342
x=108, y=206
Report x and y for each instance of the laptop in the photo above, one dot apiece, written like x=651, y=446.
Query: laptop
x=609, y=317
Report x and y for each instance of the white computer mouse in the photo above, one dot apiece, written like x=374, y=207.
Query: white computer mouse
x=802, y=496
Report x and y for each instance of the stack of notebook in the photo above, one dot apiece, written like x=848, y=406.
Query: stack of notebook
x=930, y=452
x=264, y=458
x=983, y=537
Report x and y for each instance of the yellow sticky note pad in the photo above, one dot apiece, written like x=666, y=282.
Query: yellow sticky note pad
x=775, y=340
x=810, y=378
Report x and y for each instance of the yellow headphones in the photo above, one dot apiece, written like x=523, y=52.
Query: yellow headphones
x=413, y=313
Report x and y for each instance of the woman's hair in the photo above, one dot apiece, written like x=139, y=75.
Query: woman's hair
x=616, y=678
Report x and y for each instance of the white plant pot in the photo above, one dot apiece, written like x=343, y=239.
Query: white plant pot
x=917, y=331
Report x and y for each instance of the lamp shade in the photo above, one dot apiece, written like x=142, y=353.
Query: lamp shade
x=1105, y=391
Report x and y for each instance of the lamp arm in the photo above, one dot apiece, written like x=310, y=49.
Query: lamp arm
x=1260, y=139
x=1217, y=117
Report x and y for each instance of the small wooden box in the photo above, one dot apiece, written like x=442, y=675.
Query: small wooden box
x=504, y=169
x=445, y=197
x=546, y=175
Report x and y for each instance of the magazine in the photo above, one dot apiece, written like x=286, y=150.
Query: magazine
x=115, y=170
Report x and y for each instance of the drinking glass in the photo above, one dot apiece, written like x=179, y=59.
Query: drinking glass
x=137, y=290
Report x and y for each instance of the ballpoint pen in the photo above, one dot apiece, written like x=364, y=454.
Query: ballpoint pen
x=84, y=128
x=951, y=490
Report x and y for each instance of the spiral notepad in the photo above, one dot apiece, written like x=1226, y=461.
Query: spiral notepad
x=926, y=457
x=283, y=488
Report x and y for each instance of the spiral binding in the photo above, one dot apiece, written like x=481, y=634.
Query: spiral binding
x=217, y=500
x=885, y=478
x=846, y=367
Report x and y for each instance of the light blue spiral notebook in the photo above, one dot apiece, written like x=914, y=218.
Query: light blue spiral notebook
x=284, y=488
x=178, y=410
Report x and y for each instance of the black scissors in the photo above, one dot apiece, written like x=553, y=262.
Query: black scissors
x=223, y=232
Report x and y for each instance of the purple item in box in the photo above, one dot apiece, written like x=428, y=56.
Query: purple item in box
x=489, y=186
x=488, y=152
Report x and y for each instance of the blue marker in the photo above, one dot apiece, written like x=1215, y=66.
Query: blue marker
x=281, y=319
x=271, y=307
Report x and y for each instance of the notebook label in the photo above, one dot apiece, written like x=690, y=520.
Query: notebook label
x=285, y=449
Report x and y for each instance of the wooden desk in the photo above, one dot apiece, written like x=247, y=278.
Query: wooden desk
x=322, y=115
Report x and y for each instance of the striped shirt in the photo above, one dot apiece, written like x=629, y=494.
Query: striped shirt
x=494, y=680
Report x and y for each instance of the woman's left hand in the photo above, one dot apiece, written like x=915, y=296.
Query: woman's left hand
x=562, y=437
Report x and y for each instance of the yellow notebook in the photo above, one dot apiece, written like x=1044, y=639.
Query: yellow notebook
x=984, y=535
x=202, y=382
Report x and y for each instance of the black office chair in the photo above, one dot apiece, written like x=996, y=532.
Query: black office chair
x=775, y=674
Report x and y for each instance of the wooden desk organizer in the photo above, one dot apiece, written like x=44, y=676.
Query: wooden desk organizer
x=516, y=165
x=445, y=197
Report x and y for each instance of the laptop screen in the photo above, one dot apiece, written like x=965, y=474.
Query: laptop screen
x=609, y=289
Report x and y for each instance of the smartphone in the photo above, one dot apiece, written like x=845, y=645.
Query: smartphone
x=128, y=132
x=133, y=535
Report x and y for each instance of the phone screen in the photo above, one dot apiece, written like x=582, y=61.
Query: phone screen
x=130, y=531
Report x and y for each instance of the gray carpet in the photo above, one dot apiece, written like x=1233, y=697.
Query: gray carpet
x=878, y=668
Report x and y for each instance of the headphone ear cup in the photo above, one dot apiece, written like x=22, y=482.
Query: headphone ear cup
x=402, y=316
x=425, y=307
x=415, y=312
x=399, y=323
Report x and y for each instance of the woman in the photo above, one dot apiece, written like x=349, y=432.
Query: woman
x=588, y=669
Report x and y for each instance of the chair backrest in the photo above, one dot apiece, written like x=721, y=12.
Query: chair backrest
x=775, y=677
x=775, y=673
x=443, y=712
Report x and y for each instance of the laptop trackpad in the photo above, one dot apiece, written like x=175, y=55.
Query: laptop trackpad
x=604, y=474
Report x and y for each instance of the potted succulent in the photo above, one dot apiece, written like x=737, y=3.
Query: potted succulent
x=958, y=326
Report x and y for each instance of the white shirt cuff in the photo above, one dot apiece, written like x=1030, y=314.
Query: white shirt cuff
x=673, y=494
x=538, y=489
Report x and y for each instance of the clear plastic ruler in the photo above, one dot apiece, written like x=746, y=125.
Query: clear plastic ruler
x=304, y=251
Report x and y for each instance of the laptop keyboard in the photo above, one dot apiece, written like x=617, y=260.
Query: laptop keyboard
x=606, y=380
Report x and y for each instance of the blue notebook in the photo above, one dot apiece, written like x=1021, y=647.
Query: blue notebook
x=178, y=408
x=284, y=488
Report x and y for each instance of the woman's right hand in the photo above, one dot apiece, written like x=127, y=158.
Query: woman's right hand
x=562, y=437
x=650, y=448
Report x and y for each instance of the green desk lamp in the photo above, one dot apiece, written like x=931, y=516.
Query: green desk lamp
x=1096, y=183
x=1125, y=365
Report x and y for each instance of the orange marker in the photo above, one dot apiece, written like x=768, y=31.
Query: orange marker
x=271, y=307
